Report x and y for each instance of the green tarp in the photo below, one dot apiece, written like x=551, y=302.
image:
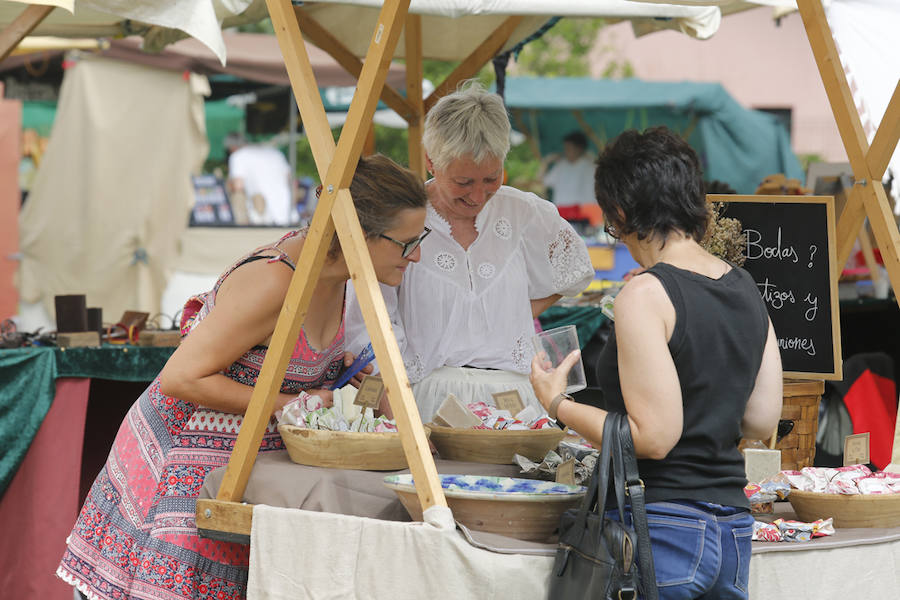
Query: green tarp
x=736, y=145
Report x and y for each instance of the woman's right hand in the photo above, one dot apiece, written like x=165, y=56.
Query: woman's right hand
x=548, y=382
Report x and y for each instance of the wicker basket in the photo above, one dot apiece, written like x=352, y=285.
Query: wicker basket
x=493, y=446
x=801, y=405
x=344, y=449
x=869, y=510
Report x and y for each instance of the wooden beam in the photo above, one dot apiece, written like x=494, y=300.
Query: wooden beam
x=835, y=81
x=221, y=516
x=309, y=266
x=887, y=237
x=303, y=83
x=865, y=243
x=323, y=38
x=583, y=123
x=336, y=202
x=414, y=75
x=20, y=27
x=849, y=222
x=369, y=144
x=477, y=59
x=399, y=392
x=867, y=185
x=885, y=141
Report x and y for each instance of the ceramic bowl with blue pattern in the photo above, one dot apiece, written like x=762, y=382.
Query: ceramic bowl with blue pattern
x=527, y=509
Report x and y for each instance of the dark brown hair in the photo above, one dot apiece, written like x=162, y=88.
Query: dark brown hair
x=651, y=184
x=381, y=189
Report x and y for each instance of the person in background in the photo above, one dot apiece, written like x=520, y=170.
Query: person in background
x=260, y=179
x=496, y=258
x=693, y=361
x=570, y=179
x=136, y=537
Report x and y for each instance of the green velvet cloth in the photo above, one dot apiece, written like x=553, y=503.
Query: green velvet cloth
x=587, y=319
x=28, y=385
x=119, y=363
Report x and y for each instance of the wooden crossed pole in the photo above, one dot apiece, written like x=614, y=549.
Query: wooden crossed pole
x=866, y=198
x=334, y=212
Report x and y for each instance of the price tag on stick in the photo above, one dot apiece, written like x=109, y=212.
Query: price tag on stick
x=371, y=390
x=565, y=472
x=856, y=449
x=510, y=401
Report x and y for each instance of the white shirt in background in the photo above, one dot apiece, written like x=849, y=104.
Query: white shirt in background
x=264, y=171
x=572, y=183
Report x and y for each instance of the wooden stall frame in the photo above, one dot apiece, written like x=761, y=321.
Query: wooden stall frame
x=335, y=213
x=866, y=197
x=869, y=162
x=25, y=23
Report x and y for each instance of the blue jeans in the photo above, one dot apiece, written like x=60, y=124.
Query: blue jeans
x=700, y=550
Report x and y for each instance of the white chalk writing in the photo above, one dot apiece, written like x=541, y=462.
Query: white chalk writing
x=796, y=343
x=756, y=249
x=774, y=297
x=813, y=302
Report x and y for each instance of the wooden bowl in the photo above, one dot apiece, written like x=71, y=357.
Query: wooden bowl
x=494, y=446
x=527, y=509
x=864, y=510
x=344, y=449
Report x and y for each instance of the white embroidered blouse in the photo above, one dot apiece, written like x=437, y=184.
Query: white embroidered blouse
x=472, y=307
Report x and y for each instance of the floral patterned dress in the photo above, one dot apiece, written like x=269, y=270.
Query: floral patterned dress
x=136, y=536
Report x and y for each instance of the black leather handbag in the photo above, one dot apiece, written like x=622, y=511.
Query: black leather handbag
x=601, y=557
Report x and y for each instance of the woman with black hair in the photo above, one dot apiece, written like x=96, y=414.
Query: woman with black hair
x=694, y=364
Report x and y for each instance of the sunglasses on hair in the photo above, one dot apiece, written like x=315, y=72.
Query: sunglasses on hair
x=410, y=246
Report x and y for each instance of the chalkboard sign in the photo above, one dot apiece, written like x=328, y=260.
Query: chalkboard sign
x=790, y=253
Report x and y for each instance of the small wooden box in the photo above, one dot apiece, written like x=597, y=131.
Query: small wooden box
x=153, y=337
x=78, y=339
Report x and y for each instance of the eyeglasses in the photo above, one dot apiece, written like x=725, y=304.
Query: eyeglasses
x=410, y=246
x=611, y=230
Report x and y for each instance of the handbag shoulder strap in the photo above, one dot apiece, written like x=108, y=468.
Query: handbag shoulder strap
x=635, y=490
x=595, y=497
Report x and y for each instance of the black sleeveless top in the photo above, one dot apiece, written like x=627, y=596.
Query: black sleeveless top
x=717, y=345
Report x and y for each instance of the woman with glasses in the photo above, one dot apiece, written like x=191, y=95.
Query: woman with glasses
x=694, y=363
x=496, y=257
x=136, y=536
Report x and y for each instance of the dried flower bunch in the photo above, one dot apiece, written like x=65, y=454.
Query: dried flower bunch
x=724, y=236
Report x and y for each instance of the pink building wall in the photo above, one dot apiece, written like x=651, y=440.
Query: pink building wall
x=760, y=63
x=10, y=152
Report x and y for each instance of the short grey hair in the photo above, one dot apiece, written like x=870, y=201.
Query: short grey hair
x=469, y=122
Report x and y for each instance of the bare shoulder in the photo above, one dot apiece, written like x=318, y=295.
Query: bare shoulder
x=642, y=290
x=642, y=302
x=260, y=285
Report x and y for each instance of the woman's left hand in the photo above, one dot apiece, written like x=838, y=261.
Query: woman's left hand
x=548, y=382
x=356, y=380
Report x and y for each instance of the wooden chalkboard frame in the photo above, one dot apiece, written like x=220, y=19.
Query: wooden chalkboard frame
x=831, y=225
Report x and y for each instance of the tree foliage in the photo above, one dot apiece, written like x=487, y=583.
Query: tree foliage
x=562, y=51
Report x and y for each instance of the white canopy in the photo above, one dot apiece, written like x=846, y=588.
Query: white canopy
x=451, y=28
x=158, y=21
